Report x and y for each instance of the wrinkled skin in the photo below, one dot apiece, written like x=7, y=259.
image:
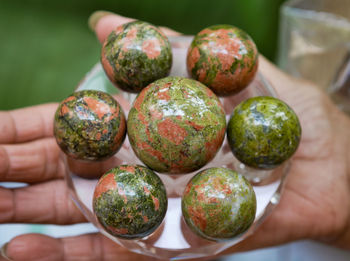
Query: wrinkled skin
x=315, y=203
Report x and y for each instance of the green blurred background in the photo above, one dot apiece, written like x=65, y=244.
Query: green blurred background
x=46, y=46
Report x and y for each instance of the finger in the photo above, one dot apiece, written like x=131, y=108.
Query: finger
x=293, y=91
x=123, y=102
x=27, y=124
x=169, y=32
x=45, y=203
x=109, y=22
x=292, y=219
x=274, y=231
x=85, y=247
x=31, y=162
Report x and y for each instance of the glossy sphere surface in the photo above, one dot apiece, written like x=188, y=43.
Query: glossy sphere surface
x=89, y=125
x=176, y=125
x=263, y=132
x=136, y=54
x=130, y=201
x=224, y=58
x=219, y=204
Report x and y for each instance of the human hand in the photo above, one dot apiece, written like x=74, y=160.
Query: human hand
x=316, y=198
x=315, y=202
x=29, y=153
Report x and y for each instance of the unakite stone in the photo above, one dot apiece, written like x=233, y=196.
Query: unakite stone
x=218, y=204
x=263, y=132
x=176, y=125
x=130, y=201
x=89, y=125
x=224, y=58
x=136, y=54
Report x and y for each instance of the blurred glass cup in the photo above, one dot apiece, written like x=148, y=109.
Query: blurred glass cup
x=315, y=45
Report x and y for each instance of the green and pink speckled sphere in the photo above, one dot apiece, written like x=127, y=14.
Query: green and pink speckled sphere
x=176, y=125
x=218, y=204
x=136, y=54
x=224, y=58
x=130, y=201
x=89, y=125
x=263, y=132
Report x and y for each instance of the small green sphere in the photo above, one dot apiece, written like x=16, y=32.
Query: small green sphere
x=176, y=125
x=263, y=132
x=136, y=54
x=219, y=204
x=224, y=58
x=89, y=125
x=130, y=201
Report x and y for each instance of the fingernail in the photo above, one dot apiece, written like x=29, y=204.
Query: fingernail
x=3, y=250
x=95, y=17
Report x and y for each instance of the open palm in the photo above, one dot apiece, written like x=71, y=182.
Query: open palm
x=315, y=202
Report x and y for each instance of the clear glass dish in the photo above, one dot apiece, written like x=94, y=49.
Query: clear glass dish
x=173, y=239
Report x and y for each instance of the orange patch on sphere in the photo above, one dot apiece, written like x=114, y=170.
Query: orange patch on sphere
x=209, y=92
x=194, y=125
x=121, y=132
x=227, y=52
x=127, y=41
x=205, y=31
x=106, y=65
x=140, y=98
x=192, y=58
x=151, y=47
x=225, y=48
x=114, y=113
x=202, y=73
x=128, y=168
x=197, y=216
x=99, y=108
x=163, y=95
x=119, y=29
x=155, y=114
x=155, y=153
x=64, y=110
x=146, y=190
x=155, y=202
x=226, y=189
x=118, y=231
x=105, y=184
x=132, y=33
x=171, y=131
x=70, y=98
x=142, y=118
x=226, y=81
x=188, y=188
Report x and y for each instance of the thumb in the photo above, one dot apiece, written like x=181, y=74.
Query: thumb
x=103, y=23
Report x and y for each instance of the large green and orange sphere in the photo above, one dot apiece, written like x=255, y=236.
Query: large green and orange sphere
x=218, y=204
x=224, y=58
x=136, y=54
x=176, y=125
x=89, y=125
x=130, y=201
